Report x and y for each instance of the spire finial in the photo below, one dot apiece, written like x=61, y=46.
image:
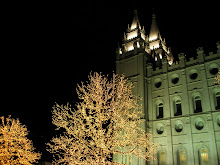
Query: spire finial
x=153, y=13
x=135, y=12
x=135, y=22
x=154, y=31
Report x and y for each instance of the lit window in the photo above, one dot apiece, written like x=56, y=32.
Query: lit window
x=162, y=158
x=203, y=157
x=181, y=157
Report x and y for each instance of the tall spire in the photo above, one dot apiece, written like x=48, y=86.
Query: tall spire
x=135, y=21
x=136, y=41
x=154, y=31
x=156, y=43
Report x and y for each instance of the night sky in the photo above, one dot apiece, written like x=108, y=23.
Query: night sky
x=49, y=48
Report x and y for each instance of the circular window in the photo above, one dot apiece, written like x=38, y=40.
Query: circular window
x=158, y=82
x=175, y=80
x=218, y=120
x=178, y=126
x=199, y=123
x=160, y=128
x=213, y=71
x=213, y=68
x=193, y=76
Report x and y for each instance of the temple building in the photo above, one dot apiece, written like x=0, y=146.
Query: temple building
x=181, y=100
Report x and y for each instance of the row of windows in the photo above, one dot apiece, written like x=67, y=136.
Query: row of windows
x=182, y=158
x=193, y=74
x=199, y=124
x=197, y=106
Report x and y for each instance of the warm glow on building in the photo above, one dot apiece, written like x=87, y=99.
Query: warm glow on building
x=120, y=52
x=130, y=48
x=133, y=26
x=204, y=157
x=152, y=38
x=154, y=45
x=131, y=35
x=180, y=95
x=170, y=62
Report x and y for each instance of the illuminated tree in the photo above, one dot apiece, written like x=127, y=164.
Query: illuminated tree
x=105, y=122
x=15, y=147
x=217, y=78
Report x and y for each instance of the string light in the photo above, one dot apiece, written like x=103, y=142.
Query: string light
x=15, y=147
x=106, y=122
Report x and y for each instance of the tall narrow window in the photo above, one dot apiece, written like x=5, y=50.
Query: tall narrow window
x=162, y=158
x=178, y=108
x=124, y=159
x=160, y=111
x=181, y=157
x=203, y=157
x=198, y=104
x=217, y=95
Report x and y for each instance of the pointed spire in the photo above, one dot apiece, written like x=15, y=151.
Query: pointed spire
x=118, y=45
x=118, y=51
x=135, y=21
x=154, y=31
x=125, y=37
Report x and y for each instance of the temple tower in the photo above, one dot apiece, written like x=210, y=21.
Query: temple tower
x=131, y=61
x=158, y=48
x=136, y=52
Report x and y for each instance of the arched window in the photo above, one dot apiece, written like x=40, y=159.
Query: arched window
x=217, y=103
x=197, y=104
x=159, y=110
x=203, y=157
x=124, y=159
x=162, y=158
x=177, y=108
x=181, y=157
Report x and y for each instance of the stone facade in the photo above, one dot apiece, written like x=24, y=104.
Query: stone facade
x=181, y=100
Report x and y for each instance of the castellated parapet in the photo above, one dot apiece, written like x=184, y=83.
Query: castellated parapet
x=184, y=63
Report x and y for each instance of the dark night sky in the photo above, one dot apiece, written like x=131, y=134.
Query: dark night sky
x=49, y=48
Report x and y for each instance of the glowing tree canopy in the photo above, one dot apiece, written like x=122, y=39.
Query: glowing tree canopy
x=217, y=78
x=15, y=147
x=105, y=122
